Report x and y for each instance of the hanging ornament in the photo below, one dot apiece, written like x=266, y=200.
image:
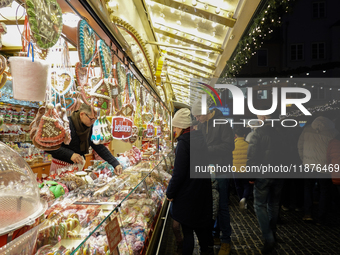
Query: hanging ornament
x=46, y=22
x=86, y=43
x=105, y=58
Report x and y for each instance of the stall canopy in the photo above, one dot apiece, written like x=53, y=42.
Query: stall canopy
x=194, y=38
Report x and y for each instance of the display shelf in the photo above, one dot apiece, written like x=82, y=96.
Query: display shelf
x=138, y=193
x=17, y=105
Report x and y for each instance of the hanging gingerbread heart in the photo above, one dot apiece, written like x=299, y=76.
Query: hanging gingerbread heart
x=69, y=101
x=62, y=81
x=133, y=139
x=147, y=117
x=134, y=130
x=50, y=130
x=5, y=3
x=86, y=43
x=45, y=20
x=127, y=110
x=105, y=58
x=121, y=74
x=130, y=81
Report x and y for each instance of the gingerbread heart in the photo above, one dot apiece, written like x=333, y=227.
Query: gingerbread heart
x=130, y=82
x=134, y=130
x=147, y=117
x=127, y=110
x=105, y=58
x=50, y=130
x=86, y=43
x=69, y=102
x=133, y=138
x=5, y=3
x=121, y=74
x=61, y=81
x=81, y=74
x=45, y=20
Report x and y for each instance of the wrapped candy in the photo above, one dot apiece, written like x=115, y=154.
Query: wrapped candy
x=137, y=246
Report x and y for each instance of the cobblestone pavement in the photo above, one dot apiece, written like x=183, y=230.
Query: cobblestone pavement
x=295, y=236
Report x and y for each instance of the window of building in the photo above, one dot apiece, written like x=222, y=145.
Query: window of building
x=262, y=94
x=318, y=92
x=319, y=10
x=262, y=58
x=296, y=52
x=318, y=50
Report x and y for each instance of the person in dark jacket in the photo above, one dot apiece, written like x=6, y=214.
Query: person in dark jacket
x=81, y=122
x=191, y=197
x=266, y=147
x=220, y=141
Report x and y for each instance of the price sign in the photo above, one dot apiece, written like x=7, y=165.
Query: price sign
x=121, y=127
x=150, y=130
x=113, y=234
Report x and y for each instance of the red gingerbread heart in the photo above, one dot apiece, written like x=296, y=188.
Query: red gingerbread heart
x=50, y=130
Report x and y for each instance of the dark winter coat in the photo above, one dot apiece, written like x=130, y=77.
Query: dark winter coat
x=192, y=198
x=333, y=158
x=65, y=152
x=267, y=146
x=220, y=140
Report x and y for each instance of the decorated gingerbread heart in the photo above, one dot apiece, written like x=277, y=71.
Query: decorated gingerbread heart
x=50, y=130
x=121, y=74
x=86, y=43
x=5, y=3
x=147, y=117
x=46, y=22
x=133, y=138
x=127, y=110
x=61, y=81
x=105, y=58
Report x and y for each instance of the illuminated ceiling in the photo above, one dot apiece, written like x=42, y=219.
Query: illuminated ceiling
x=196, y=38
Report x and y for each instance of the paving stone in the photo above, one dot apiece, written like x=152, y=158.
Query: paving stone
x=297, y=236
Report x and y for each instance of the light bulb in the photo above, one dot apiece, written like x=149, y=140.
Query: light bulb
x=172, y=10
x=194, y=2
x=218, y=10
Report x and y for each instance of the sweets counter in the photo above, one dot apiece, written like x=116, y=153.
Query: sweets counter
x=75, y=224
x=44, y=168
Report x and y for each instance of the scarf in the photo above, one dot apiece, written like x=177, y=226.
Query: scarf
x=82, y=131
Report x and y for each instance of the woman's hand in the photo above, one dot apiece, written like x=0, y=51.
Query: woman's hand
x=171, y=199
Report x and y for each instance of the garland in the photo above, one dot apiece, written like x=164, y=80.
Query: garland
x=261, y=29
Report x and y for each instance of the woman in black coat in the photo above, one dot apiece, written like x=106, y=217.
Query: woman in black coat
x=191, y=197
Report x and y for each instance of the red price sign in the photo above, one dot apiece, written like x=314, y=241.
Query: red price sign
x=150, y=130
x=113, y=234
x=159, y=131
x=121, y=127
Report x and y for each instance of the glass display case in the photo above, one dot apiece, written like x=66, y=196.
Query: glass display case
x=75, y=224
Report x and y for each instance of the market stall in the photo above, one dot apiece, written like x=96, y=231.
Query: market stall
x=48, y=77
